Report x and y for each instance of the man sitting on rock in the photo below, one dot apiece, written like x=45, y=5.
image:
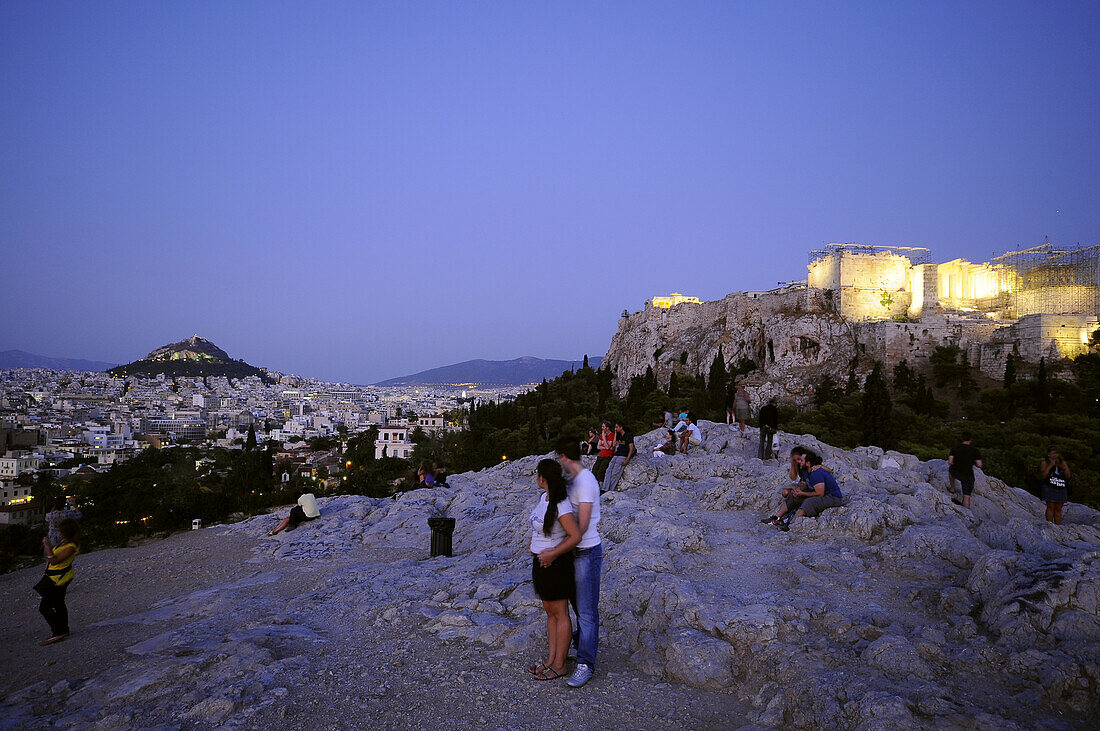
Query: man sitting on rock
x=824, y=491
x=816, y=491
x=690, y=435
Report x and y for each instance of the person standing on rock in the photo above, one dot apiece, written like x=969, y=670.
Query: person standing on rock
x=1054, y=472
x=59, y=574
x=554, y=535
x=606, y=450
x=769, y=425
x=584, y=493
x=961, y=461
x=624, y=452
x=741, y=407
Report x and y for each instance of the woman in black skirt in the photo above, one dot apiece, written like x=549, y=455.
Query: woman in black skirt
x=554, y=535
x=1054, y=472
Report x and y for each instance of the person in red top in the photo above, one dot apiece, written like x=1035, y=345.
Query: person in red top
x=606, y=446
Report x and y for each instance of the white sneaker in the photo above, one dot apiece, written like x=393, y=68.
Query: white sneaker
x=580, y=676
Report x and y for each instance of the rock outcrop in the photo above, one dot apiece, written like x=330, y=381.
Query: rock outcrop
x=794, y=337
x=899, y=609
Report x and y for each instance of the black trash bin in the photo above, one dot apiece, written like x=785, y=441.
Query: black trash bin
x=442, y=529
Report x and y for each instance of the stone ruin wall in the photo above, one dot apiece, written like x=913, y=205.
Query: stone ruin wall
x=797, y=337
x=1033, y=337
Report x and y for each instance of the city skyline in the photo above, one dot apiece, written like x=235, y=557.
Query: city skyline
x=354, y=193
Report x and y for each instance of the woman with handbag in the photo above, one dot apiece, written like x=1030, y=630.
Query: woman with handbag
x=59, y=574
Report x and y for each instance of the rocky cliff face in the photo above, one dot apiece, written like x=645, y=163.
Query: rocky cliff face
x=794, y=340
x=897, y=610
x=794, y=337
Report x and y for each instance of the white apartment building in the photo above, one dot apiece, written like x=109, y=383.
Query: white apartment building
x=102, y=437
x=431, y=424
x=393, y=441
x=14, y=464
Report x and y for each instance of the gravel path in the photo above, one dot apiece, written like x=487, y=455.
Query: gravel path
x=381, y=674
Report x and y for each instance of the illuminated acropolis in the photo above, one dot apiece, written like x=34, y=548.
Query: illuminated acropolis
x=1051, y=295
x=666, y=301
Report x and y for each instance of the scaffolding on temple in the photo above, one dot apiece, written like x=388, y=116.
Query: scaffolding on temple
x=915, y=254
x=1047, y=279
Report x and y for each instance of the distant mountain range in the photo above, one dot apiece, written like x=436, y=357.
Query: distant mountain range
x=192, y=357
x=515, y=372
x=23, y=359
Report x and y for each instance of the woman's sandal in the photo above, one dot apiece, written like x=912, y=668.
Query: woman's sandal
x=549, y=674
x=537, y=669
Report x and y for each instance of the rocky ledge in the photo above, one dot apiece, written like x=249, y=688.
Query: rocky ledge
x=899, y=609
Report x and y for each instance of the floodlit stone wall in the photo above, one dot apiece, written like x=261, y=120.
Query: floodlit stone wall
x=1079, y=299
x=870, y=286
x=1037, y=336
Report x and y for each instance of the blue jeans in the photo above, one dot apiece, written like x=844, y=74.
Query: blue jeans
x=586, y=569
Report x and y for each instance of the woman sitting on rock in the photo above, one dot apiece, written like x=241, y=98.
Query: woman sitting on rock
x=554, y=535
x=821, y=489
x=824, y=491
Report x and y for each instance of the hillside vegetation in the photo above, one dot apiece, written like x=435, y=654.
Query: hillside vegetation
x=923, y=414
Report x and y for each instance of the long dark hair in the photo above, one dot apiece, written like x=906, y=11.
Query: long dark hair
x=550, y=471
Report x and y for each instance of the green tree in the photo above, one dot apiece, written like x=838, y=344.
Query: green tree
x=877, y=409
x=945, y=366
x=716, y=386
x=250, y=440
x=1042, y=390
x=1010, y=371
x=826, y=392
x=905, y=379
x=853, y=379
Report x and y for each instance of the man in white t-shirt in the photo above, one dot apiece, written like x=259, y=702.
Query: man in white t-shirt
x=584, y=492
x=690, y=435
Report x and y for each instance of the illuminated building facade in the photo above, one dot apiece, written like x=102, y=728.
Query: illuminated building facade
x=666, y=301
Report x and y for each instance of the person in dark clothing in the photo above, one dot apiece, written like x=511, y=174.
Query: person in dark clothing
x=59, y=574
x=961, y=460
x=769, y=425
x=1054, y=472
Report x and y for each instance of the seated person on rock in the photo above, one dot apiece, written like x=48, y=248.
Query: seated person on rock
x=425, y=475
x=800, y=475
x=823, y=493
x=667, y=447
x=690, y=435
x=306, y=509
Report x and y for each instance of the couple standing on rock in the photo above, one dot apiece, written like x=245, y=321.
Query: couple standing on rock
x=566, y=558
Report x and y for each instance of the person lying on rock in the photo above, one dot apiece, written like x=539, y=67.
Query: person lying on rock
x=554, y=535
x=823, y=493
x=306, y=509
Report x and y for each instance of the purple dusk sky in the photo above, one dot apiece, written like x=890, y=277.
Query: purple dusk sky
x=355, y=191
